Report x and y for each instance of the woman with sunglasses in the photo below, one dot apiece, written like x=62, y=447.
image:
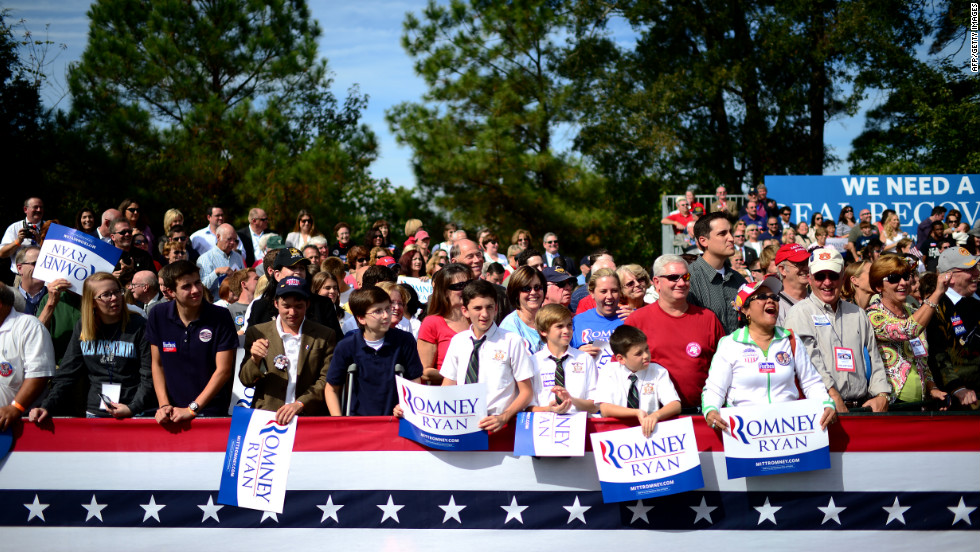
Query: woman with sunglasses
x=521, y=238
x=444, y=319
x=303, y=231
x=439, y=259
x=900, y=332
x=109, y=348
x=845, y=221
x=760, y=363
x=130, y=209
x=635, y=280
x=526, y=290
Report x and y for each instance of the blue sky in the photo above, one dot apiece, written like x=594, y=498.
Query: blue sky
x=361, y=41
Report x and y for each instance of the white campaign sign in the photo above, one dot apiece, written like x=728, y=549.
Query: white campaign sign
x=550, y=434
x=776, y=438
x=257, y=461
x=74, y=256
x=445, y=418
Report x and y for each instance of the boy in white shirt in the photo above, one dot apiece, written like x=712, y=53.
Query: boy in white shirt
x=485, y=353
x=571, y=388
x=634, y=386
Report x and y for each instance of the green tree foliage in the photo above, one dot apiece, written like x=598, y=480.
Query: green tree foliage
x=484, y=138
x=223, y=101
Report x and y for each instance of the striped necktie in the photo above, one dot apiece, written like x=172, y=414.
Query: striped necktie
x=559, y=373
x=633, y=401
x=473, y=367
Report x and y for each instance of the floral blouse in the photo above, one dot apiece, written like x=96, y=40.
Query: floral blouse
x=894, y=336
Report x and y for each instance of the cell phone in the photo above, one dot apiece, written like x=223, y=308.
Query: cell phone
x=107, y=401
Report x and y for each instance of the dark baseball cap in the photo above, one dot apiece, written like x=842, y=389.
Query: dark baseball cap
x=289, y=256
x=556, y=275
x=292, y=285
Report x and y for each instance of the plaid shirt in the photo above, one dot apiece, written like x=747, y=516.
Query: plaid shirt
x=716, y=292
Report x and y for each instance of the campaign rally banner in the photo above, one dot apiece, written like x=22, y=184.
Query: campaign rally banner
x=605, y=354
x=240, y=395
x=550, y=434
x=912, y=197
x=422, y=287
x=353, y=482
x=443, y=418
x=777, y=438
x=74, y=256
x=632, y=466
x=256, y=461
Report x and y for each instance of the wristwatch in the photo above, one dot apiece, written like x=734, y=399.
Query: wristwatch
x=193, y=407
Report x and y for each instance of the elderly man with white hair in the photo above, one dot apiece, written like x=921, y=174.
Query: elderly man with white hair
x=221, y=260
x=682, y=337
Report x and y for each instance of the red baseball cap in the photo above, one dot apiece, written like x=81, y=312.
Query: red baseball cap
x=792, y=252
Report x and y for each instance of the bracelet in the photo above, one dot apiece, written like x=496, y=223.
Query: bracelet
x=17, y=405
x=929, y=303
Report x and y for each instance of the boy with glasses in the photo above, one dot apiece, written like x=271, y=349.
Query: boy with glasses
x=839, y=338
x=376, y=349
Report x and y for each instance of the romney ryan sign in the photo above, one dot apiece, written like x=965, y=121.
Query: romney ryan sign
x=911, y=196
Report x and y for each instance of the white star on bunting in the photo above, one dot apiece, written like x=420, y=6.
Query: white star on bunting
x=36, y=510
x=152, y=510
x=330, y=510
x=452, y=510
x=210, y=510
x=767, y=512
x=831, y=512
x=640, y=511
x=576, y=511
x=390, y=510
x=269, y=515
x=514, y=511
x=93, y=509
x=896, y=512
x=961, y=512
x=704, y=512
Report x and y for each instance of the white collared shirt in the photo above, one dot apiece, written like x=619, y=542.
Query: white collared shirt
x=504, y=361
x=26, y=351
x=290, y=344
x=203, y=240
x=580, y=376
x=652, y=382
x=953, y=296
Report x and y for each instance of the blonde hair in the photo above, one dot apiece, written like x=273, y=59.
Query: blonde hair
x=168, y=219
x=412, y=226
x=90, y=321
x=603, y=273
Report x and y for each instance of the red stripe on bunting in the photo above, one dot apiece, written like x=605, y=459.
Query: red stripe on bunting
x=852, y=434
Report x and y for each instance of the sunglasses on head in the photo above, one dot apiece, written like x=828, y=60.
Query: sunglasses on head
x=458, y=286
x=674, y=277
x=898, y=277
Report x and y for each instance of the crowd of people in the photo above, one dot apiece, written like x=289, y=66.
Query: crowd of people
x=749, y=309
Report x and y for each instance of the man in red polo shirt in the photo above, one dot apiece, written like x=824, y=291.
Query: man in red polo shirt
x=682, y=337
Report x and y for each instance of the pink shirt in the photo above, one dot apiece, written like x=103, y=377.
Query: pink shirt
x=435, y=330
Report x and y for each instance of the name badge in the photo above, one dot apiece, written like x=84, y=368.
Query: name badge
x=170, y=346
x=767, y=367
x=958, y=326
x=918, y=348
x=844, y=359
x=820, y=320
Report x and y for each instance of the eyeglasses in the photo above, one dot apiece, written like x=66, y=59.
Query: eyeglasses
x=551, y=242
x=674, y=277
x=133, y=209
x=127, y=232
x=638, y=283
x=379, y=312
x=490, y=241
x=178, y=239
x=305, y=221
x=567, y=284
x=362, y=260
x=139, y=242
x=266, y=219
x=898, y=277
x=529, y=289
x=107, y=296
x=764, y=297
x=739, y=235
x=522, y=239
x=134, y=284
x=458, y=286
x=826, y=275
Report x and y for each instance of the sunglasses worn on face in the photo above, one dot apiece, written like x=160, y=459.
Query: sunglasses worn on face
x=674, y=277
x=133, y=209
x=826, y=275
x=551, y=242
x=529, y=289
x=764, y=297
x=898, y=277
x=458, y=286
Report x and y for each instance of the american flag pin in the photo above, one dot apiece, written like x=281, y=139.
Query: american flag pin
x=307, y=346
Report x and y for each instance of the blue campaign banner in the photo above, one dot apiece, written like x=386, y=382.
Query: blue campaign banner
x=631, y=466
x=257, y=461
x=443, y=418
x=6, y=441
x=550, y=434
x=74, y=256
x=912, y=197
x=777, y=438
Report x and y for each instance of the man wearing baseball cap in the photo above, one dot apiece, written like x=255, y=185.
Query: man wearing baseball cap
x=288, y=357
x=560, y=286
x=792, y=262
x=839, y=338
x=290, y=262
x=954, y=343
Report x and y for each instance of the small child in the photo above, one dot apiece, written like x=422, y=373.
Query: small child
x=504, y=364
x=654, y=397
x=376, y=349
x=574, y=387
